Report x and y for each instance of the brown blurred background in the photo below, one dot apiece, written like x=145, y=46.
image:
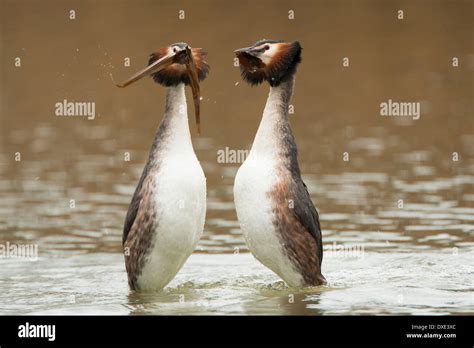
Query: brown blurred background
x=406, y=59
x=336, y=108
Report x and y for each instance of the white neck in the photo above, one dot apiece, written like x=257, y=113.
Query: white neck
x=173, y=137
x=274, y=119
x=175, y=121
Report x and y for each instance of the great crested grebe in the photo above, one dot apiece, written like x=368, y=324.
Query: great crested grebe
x=165, y=219
x=275, y=212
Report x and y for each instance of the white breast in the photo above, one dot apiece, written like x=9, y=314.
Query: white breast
x=181, y=209
x=255, y=178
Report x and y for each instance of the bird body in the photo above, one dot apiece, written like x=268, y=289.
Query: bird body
x=258, y=176
x=175, y=202
x=274, y=209
x=165, y=219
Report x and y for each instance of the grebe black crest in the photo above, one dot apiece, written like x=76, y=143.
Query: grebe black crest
x=176, y=73
x=269, y=60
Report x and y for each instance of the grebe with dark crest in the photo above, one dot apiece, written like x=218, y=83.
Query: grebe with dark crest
x=277, y=217
x=165, y=219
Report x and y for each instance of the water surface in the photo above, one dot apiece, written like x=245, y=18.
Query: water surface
x=397, y=217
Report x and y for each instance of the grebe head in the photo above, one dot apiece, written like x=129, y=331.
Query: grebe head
x=175, y=64
x=177, y=73
x=269, y=60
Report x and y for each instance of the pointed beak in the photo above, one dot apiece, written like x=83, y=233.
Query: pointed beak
x=160, y=64
x=185, y=57
x=248, y=50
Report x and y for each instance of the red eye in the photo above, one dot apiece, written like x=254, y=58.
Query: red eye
x=174, y=49
x=266, y=48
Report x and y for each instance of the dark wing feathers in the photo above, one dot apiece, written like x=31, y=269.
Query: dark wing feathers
x=134, y=206
x=307, y=215
x=138, y=230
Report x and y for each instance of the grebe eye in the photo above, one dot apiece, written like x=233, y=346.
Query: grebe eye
x=174, y=49
x=266, y=48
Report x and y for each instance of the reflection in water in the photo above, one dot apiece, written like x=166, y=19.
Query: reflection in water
x=401, y=207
